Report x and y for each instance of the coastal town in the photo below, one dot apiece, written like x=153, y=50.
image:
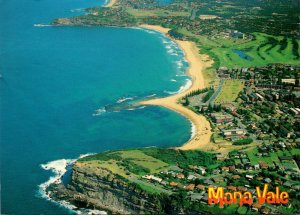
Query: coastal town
x=244, y=104
x=251, y=104
x=259, y=124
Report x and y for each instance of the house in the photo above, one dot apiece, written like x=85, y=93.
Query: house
x=256, y=207
x=268, y=180
x=190, y=187
x=164, y=183
x=201, y=170
x=152, y=177
x=200, y=187
x=217, y=180
x=240, y=188
x=265, y=210
x=220, y=118
x=209, y=182
x=263, y=165
x=250, y=177
x=260, y=97
x=216, y=172
x=173, y=184
x=232, y=188
x=180, y=176
x=191, y=177
x=236, y=177
x=225, y=168
x=256, y=166
x=191, y=167
x=259, y=178
x=231, y=168
x=294, y=111
x=234, y=132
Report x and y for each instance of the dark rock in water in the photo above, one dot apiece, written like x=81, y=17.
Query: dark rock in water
x=118, y=107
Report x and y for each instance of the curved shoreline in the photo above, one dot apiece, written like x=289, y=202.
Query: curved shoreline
x=197, y=63
x=111, y=3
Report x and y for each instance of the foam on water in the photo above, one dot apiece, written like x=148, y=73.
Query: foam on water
x=151, y=95
x=183, y=88
x=149, y=31
x=99, y=111
x=59, y=168
x=125, y=99
x=180, y=75
x=137, y=108
x=179, y=63
x=193, y=130
x=42, y=25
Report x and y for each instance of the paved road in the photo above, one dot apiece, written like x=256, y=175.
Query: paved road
x=216, y=93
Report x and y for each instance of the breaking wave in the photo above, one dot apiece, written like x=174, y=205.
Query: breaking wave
x=59, y=168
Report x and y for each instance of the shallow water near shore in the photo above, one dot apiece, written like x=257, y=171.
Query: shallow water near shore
x=56, y=83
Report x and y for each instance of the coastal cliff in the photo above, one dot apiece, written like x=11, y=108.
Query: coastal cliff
x=102, y=190
x=136, y=181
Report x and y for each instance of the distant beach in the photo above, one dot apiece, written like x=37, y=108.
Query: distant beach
x=197, y=63
x=111, y=3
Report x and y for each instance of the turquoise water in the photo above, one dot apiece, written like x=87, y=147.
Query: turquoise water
x=53, y=81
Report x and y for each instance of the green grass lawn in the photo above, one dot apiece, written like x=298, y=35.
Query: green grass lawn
x=230, y=91
x=114, y=161
x=156, y=12
x=273, y=157
x=141, y=159
x=148, y=189
x=289, y=164
x=295, y=151
x=242, y=210
x=221, y=50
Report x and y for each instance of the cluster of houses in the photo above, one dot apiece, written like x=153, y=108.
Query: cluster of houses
x=273, y=76
x=242, y=176
x=268, y=106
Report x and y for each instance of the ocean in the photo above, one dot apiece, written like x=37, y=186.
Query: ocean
x=55, y=84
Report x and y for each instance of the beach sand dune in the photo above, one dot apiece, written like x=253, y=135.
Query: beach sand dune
x=197, y=63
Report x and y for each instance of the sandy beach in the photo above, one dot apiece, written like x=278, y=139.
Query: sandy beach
x=197, y=63
x=111, y=3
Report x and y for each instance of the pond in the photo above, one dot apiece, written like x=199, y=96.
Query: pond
x=242, y=54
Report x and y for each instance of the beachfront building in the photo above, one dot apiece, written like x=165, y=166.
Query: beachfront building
x=221, y=118
x=234, y=132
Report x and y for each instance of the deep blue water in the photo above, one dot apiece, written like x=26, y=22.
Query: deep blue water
x=53, y=80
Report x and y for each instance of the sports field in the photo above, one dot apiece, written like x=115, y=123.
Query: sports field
x=230, y=91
